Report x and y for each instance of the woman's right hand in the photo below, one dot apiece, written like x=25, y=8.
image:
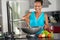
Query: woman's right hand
x=23, y=18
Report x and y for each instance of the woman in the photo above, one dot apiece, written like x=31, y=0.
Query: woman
x=37, y=18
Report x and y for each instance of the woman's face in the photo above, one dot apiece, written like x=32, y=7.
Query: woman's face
x=37, y=6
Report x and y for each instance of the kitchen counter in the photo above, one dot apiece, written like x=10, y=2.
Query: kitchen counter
x=36, y=39
x=29, y=38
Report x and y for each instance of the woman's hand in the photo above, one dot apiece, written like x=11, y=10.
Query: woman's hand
x=46, y=26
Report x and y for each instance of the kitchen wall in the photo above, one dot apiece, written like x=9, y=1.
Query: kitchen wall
x=51, y=7
x=58, y=5
x=55, y=6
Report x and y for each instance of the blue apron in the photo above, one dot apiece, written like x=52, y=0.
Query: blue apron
x=37, y=22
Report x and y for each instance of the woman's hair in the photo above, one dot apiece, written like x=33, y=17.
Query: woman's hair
x=41, y=1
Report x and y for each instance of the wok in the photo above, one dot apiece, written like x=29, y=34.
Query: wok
x=32, y=30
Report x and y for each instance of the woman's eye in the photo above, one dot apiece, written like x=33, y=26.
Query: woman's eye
x=39, y=6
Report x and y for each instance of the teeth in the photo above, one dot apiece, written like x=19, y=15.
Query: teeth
x=37, y=9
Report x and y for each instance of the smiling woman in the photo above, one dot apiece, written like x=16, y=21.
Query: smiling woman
x=34, y=19
x=37, y=18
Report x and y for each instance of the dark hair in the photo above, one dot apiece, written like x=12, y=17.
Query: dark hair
x=39, y=1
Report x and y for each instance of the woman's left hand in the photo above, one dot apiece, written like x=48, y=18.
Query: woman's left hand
x=46, y=26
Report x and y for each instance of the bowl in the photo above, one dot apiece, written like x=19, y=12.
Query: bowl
x=32, y=30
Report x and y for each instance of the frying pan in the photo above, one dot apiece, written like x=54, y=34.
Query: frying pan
x=32, y=30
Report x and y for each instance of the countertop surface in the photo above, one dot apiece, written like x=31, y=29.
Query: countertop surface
x=35, y=39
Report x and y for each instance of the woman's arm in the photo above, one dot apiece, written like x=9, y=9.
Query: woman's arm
x=46, y=22
x=26, y=17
